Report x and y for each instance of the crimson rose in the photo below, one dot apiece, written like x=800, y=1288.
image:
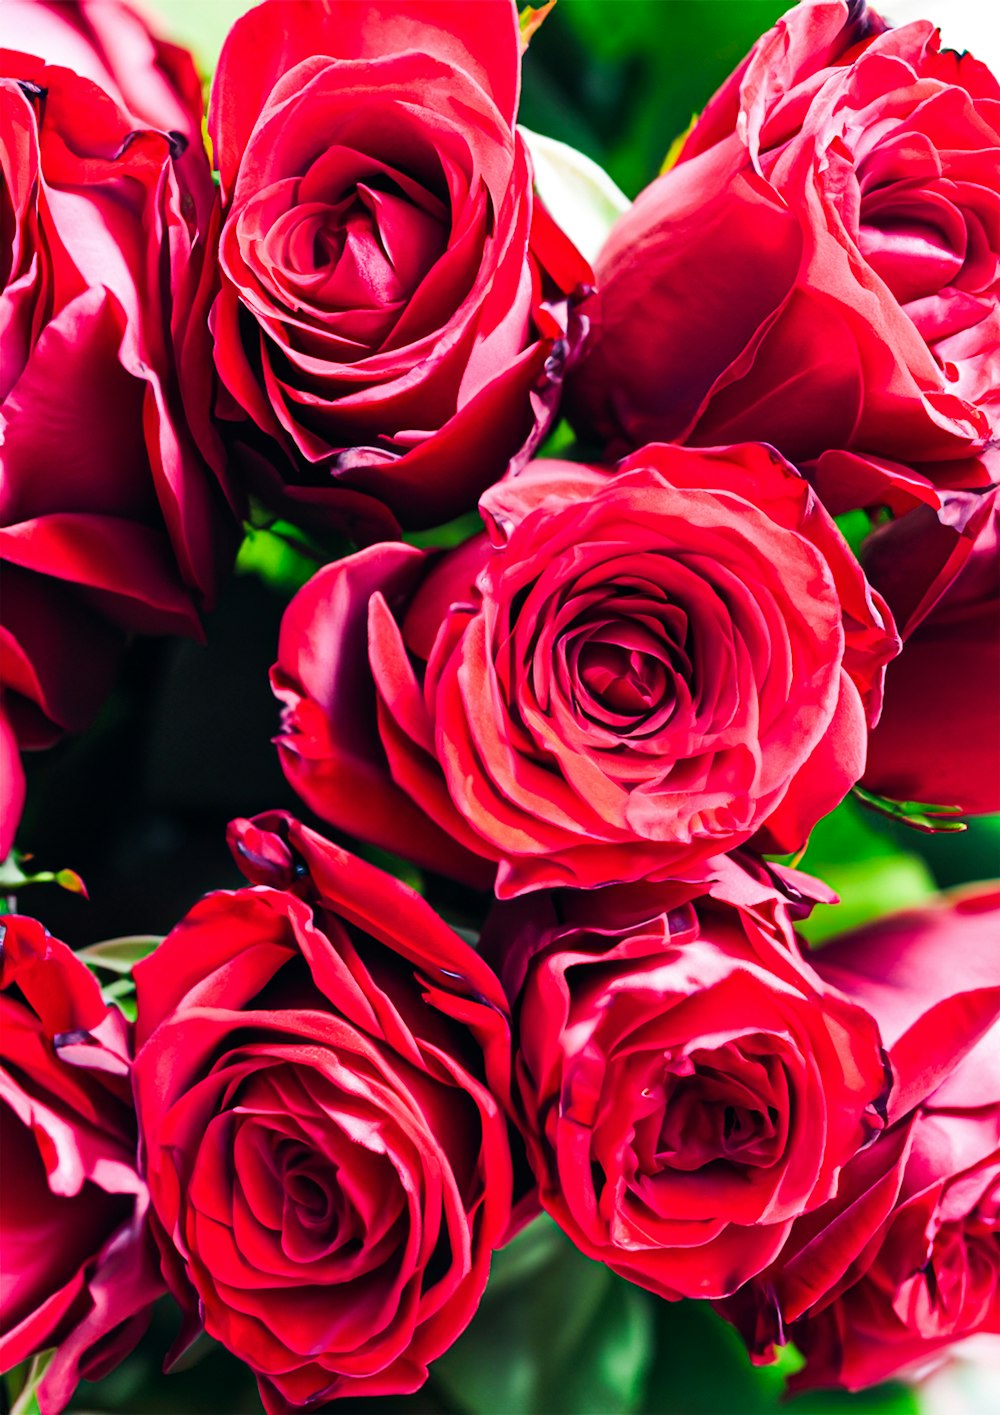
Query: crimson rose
x=329, y=1167
x=632, y=672
x=393, y=312
x=687, y=1085
x=906, y=1259
x=112, y=521
x=820, y=268
x=79, y=1270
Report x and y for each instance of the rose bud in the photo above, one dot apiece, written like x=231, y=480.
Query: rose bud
x=686, y=1084
x=79, y=1269
x=938, y=739
x=393, y=318
x=113, y=519
x=819, y=269
x=906, y=1259
x=319, y=1079
x=634, y=671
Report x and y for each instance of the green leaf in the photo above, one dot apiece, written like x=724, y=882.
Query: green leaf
x=702, y=1368
x=555, y=1333
x=119, y=955
x=13, y=876
x=918, y=815
x=530, y=18
x=580, y=196
x=279, y=556
x=872, y=874
x=449, y=535
x=855, y=527
x=33, y=1373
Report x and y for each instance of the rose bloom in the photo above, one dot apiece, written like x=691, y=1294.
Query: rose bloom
x=938, y=739
x=819, y=269
x=328, y=1164
x=79, y=1269
x=686, y=1084
x=906, y=1259
x=635, y=670
x=393, y=312
x=112, y=520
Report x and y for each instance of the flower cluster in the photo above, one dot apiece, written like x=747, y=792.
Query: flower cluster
x=598, y=719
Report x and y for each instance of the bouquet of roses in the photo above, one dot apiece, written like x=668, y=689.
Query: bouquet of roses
x=616, y=545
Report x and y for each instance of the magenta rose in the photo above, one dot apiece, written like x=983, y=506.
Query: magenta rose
x=819, y=269
x=906, y=1259
x=635, y=670
x=393, y=318
x=320, y=1071
x=938, y=739
x=113, y=517
x=686, y=1084
x=79, y=1269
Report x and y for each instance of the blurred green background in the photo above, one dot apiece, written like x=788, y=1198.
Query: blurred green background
x=618, y=79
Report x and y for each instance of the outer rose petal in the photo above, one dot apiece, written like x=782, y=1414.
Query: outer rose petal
x=11, y=786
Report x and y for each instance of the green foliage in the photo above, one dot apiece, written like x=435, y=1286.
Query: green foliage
x=452, y=533
x=117, y=957
x=918, y=815
x=200, y=24
x=701, y=1368
x=871, y=872
x=22, y=1384
x=555, y=1333
x=13, y=876
x=621, y=80
x=280, y=555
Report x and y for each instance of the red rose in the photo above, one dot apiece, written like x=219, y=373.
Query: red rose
x=634, y=672
x=109, y=42
x=329, y=1166
x=393, y=311
x=820, y=268
x=906, y=1259
x=79, y=1270
x=111, y=520
x=938, y=739
x=687, y=1085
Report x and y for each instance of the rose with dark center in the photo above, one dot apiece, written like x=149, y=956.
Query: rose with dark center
x=321, y=1072
x=686, y=1084
x=819, y=269
x=393, y=312
x=634, y=671
x=79, y=1270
